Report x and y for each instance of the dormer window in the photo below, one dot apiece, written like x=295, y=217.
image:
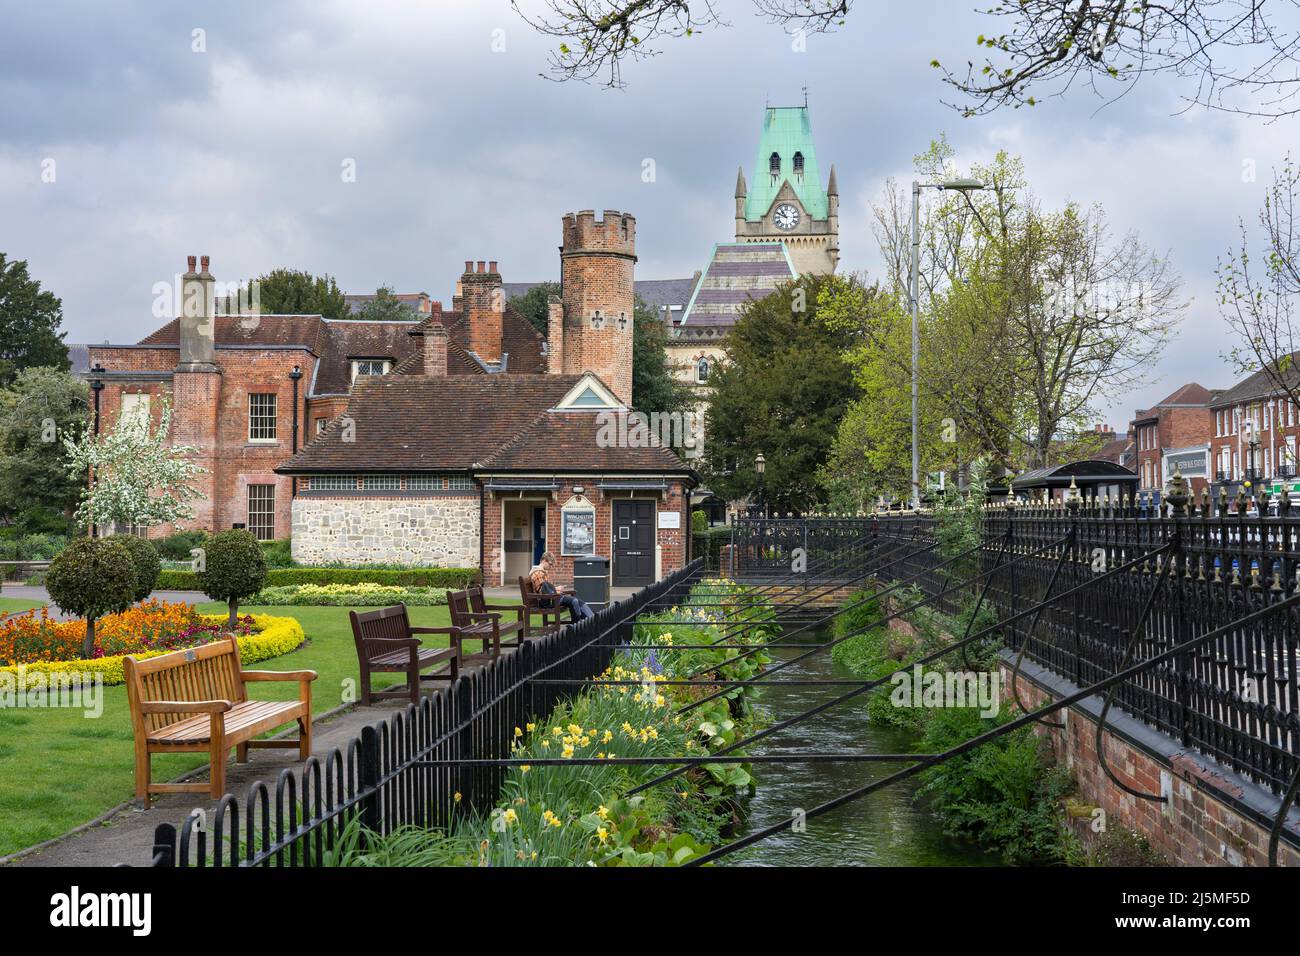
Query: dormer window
x=798, y=167
x=370, y=366
x=702, y=371
x=597, y=320
x=774, y=167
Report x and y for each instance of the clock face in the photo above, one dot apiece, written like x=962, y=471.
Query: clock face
x=786, y=216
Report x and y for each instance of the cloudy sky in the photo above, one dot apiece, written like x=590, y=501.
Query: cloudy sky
x=463, y=151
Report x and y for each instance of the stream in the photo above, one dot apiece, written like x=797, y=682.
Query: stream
x=885, y=828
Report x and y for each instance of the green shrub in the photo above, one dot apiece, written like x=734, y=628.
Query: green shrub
x=699, y=522
x=449, y=578
x=277, y=554
x=177, y=547
x=92, y=577
x=231, y=568
x=147, y=564
x=1005, y=796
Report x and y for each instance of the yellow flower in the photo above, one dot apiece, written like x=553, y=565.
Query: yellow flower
x=602, y=811
x=457, y=797
x=603, y=834
x=568, y=751
x=510, y=816
x=518, y=732
x=557, y=732
x=524, y=768
x=531, y=726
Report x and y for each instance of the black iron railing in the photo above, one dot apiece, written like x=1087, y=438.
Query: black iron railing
x=1237, y=698
x=385, y=776
x=769, y=544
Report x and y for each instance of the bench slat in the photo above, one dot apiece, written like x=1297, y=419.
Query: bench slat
x=244, y=720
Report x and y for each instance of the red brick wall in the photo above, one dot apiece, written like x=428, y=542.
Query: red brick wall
x=671, y=541
x=1173, y=428
x=1197, y=828
x=210, y=413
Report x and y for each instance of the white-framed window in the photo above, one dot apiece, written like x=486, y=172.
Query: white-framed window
x=320, y=424
x=261, y=511
x=370, y=366
x=1268, y=462
x=261, y=416
x=1268, y=415
x=134, y=405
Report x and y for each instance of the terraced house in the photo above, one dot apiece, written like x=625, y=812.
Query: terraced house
x=460, y=438
x=1255, y=430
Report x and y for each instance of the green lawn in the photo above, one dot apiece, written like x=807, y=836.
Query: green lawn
x=59, y=768
x=10, y=605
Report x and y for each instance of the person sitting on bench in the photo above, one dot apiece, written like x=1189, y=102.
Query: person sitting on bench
x=539, y=579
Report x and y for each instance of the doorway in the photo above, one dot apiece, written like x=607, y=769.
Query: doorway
x=523, y=537
x=634, y=542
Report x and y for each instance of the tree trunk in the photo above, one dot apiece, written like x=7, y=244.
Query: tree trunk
x=234, y=614
x=88, y=645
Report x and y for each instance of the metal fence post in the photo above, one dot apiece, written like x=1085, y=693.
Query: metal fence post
x=370, y=778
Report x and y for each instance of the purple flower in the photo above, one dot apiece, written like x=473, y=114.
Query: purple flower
x=652, y=662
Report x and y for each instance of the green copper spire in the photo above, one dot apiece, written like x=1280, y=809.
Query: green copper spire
x=787, y=133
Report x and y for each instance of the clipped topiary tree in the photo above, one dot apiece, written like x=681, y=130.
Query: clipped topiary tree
x=90, y=578
x=147, y=563
x=699, y=522
x=230, y=568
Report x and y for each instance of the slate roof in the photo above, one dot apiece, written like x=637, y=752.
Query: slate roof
x=737, y=273
x=405, y=423
x=656, y=293
x=1257, y=386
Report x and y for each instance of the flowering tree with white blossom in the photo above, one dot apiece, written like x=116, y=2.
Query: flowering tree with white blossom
x=138, y=477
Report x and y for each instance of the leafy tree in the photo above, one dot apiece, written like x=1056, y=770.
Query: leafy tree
x=29, y=323
x=1259, y=303
x=533, y=304
x=297, y=292
x=654, y=386
x=37, y=409
x=231, y=568
x=138, y=476
x=147, y=563
x=385, y=307
x=782, y=391
x=1234, y=55
x=92, y=577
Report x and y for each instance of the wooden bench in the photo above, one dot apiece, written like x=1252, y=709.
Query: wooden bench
x=546, y=605
x=512, y=632
x=485, y=626
x=386, y=642
x=196, y=700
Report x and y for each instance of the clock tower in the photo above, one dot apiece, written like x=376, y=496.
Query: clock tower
x=786, y=201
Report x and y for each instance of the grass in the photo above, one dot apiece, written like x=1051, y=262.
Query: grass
x=12, y=605
x=61, y=768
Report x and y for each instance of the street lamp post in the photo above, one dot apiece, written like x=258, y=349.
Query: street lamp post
x=760, y=466
x=964, y=186
x=294, y=377
x=96, y=386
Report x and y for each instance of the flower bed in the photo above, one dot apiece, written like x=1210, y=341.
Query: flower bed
x=38, y=643
x=453, y=578
x=575, y=815
x=350, y=595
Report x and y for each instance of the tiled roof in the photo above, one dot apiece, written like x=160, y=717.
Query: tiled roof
x=521, y=343
x=423, y=423
x=737, y=273
x=252, y=331
x=567, y=440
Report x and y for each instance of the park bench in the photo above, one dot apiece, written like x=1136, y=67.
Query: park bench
x=512, y=632
x=386, y=643
x=545, y=605
x=196, y=700
x=485, y=626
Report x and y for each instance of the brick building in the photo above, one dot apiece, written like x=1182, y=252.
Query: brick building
x=1254, y=431
x=1174, y=433
x=463, y=437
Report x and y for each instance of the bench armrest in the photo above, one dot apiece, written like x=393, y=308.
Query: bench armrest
x=517, y=608
x=185, y=706
x=395, y=642
x=278, y=675
x=434, y=630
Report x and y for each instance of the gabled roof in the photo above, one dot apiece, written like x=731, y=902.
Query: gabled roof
x=569, y=441
x=738, y=272
x=787, y=130
x=521, y=343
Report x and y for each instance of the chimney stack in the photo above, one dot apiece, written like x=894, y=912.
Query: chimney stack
x=197, y=317
x=483, y=302
x=435, y=349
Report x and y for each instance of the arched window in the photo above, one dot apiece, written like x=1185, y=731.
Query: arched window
x=798, y=167
x=702, y=371
x=774, y=167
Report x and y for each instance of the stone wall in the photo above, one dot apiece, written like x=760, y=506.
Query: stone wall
x=438, y=531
